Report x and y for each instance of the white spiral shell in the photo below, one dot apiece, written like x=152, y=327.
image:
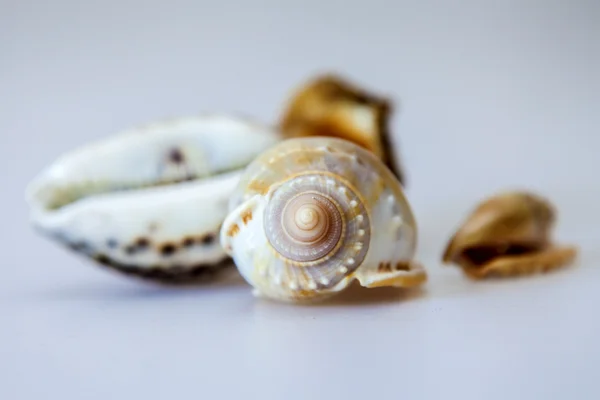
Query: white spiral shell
x=310, y=215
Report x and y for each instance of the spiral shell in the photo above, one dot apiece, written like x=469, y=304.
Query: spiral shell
x=506, y=235
x=310, y=215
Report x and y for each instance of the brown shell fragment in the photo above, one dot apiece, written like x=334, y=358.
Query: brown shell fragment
x=508, y=234
x=331, y=106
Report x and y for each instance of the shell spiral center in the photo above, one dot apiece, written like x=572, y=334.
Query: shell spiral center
x=313, y=218
x=316, y=222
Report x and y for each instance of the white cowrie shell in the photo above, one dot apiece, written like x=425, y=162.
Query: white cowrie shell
x=149, y=201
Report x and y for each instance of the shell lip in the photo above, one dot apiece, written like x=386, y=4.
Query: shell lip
x=406, y=275
x=234, y=218
x=39, y=193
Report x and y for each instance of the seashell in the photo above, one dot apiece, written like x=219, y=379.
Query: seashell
x=149, y=201
x=507, y=235
x=331, y=106
x=312, y=215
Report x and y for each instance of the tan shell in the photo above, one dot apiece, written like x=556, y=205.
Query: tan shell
x=331, y=106
x=508, y=234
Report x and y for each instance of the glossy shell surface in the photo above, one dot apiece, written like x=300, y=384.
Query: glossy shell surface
x=311, y=215
x=149, y=201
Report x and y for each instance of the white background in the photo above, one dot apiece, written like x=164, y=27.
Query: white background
x=489, y=95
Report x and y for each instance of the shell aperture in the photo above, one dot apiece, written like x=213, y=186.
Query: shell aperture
x=311, y=215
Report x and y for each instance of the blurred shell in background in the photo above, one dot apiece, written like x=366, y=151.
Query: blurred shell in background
x=149, y=201
x=329, y=105
x=508, y=234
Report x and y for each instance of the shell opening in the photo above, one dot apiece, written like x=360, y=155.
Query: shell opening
x=53, y=196
x=158, y=156
x=480, y=255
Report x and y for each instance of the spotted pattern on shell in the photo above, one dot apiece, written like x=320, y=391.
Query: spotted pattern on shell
x=174, y=275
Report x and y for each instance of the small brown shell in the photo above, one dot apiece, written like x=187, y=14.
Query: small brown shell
x=331, y=106
x=508, y=234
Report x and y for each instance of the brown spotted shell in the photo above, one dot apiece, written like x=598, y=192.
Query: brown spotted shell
x=329, y=105
x=508, y=234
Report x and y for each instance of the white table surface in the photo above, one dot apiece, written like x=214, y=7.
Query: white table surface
x=490, y=95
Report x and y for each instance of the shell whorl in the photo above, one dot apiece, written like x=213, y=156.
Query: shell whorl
x=318, y=220
x=306, y=228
